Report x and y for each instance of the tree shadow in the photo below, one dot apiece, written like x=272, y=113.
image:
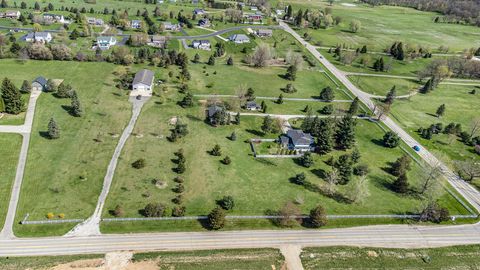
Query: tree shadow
x=68, y=109
x=320, y=173
x=431, y=114
x=194, y=118
x=255, y=132
x=377, y=142
x=44, y=134
x=204, y=224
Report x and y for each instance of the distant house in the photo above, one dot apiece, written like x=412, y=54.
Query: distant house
x=39, y=84
x=12, y=14
x=212, y=112
x=264, y=32
x=54, y=18
x=195, y=2
x=142, y=84
x=239, y=38
x=253, y=8
x=158, y=41
x=105, y=42
x=136, y=24
x=39, y=37
x=279, y=11
x=160, y=1
x=252, y=106
x=298, y=140
x=171, y=26
x=199, y=11
x=204, y=22
x=254, y=17
x=95, y=21
x=201, y=44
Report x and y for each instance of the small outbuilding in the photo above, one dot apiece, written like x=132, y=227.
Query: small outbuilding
x=39, y=84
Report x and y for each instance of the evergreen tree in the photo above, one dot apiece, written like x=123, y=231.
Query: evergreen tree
x=26, y=87
x=51, y=86
x=355, y=155
x=391, y=139
x=379, y=65
x=12, y=98
x=318, y=217
x=233, y=136
x=216, y=219
x=401, y=165
x=428, y=86
x=299, y=179
x=291, y=74
x=400, y=185
x=345, y=134
x=280, y=99
x=345, y=169
x=364, y=49
x=230, y=61
x=211, y=60
x=268, y=124
x=216, y=151
x=324, y=135
x=64, y=91
x=76, y=107
x=187, y=100
x=75, y=34
x=441, y=110
x=306, y=160
x=196, y=58
x=391, y=95
x=237, y=118
x=226, y=160
x=53, y=129
x=327, y=94
x=353, y=109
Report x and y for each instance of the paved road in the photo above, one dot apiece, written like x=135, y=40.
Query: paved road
x=467, y=191
x=24, y=130
x=91, y=226
x=399, y=236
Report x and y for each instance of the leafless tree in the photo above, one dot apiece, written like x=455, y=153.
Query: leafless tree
x=474, y=127
x=359, y=191
x=288, y=214
x=261, y=56
x=294, y=59
x=332, y=179
x=429, y=178
x=468, y=169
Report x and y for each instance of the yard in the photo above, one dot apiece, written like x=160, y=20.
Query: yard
x=66, y=175
x=247, y=179
x=9, y=149
x=381, y=86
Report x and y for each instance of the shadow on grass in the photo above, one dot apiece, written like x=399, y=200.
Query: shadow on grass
x=377, y=142
x=44, y=134
x=194, y=118
x=338, y=197
x=255, y=132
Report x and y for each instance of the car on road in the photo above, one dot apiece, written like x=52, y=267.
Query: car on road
x=416, y=148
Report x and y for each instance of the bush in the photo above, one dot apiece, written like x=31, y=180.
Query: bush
x=118, y=211
x=227, y=203
x=178, y=211
x=179, y=179
x=434, y=213
x=227, y=160
x=318, y=217
x=299, y=179
x=139, y=163
x=61, y=215
x=216, y=219
x=180, y=188
x=154, y=210
x=361, y=170
x=327, y=110
x=178, y=199
x=50, y=215
x=391, y=139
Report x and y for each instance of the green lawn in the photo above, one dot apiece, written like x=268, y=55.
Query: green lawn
x=419, y=111
x=10, y=145
x=383, y=25
x=456, y=257
x=248, y=180
x=45, y=262
x=381, y=86
x=66, y=175
x=215, y=259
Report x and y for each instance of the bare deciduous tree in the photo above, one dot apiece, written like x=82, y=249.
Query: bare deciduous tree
x=468, y=169
x=332, y=179
x=359, y=191
x=262, y=54
x=294, y=59
x=429, y=178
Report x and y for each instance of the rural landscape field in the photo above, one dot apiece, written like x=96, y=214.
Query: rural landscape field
x=259, y=121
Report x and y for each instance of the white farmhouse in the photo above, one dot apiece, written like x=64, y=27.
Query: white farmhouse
x=143, y=83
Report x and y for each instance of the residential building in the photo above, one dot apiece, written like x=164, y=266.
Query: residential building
x=239, y=38
x=142, y=84
x=204, y=22
x=254, y=17
x=168, y=26
x=297, y=140
x=12, y=14
x=199, y=11
x=201, y=44
x=214, y=113
x=105, y=42
x=264, y=32
x=39, y=84
x=252, y=106
x=158, y=41
x=253, y=8
x=39, y=37
x=95, y=21
x=136, y=24
x=54, y=18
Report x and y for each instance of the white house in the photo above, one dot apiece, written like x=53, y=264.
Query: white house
x=239, y=38
x=136, y=24
x=95, y=21
x=264, y=32
x=12, y=14
x=199, y=11
x=54, y=18
x=39, y=37
x=171, y=26
x=201, y=44
x=105, y=42
x=158, y=41
x=142, y=84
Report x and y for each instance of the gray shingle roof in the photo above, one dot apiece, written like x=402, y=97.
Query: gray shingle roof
x=144, y=76
x=298, y=137
x=41, y=80
x=212, y=109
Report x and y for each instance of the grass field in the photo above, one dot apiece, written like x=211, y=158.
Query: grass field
x=381, y=86
x=457, y=257
x=46, y=262
x=66, y=175
x=9, y=149
x=248, y=180
x=215, y=259
x=383, y=25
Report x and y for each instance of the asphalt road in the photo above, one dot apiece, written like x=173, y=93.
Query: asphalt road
x=399, y=236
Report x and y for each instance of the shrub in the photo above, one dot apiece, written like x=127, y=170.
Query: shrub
x=391, y=139
x=180, y=188
x=361, y=170
x=227, y=160
x=118, y=211
x=299, y=179
x=178, y=211
x=179, y=179
x=318, y=217
x=434, y=213
x=216, y=219
x=226, y=202
x=139, y=163
x=154, y=210
x=50, y=215
x=61, y=215
x=178, y=199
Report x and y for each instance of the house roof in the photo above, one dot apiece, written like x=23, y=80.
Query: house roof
x=298, y=137
x=251, y=104
x=41, y=80
x=43, y=35
x=212, y=109
x=159, y=38
x=264, y=31
x=202, y=41
x=144, y=76
x=106, y=39
x=238, y=37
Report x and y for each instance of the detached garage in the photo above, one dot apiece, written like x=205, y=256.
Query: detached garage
x=143, y=83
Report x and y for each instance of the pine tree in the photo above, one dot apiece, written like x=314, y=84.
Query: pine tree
x=345, y=170
x=400, y=185
x=196, y=58
x=391, y=95
x=12, y=98
x=291, y=74
x=230, y=61
x=324, y=136
x=364, y=49
x=237, y=118
x=211, y=60
x=306, y=160
x=280, y=99
x=75, y=34
x=216, y=219
x=428, y=86
x=64, y=91
x=53, y=129
x=353, y=109
x=401, y=165
x=327, y=94
x=187, y=100
x=318, y=217
x=441, y=110
x=345, y=135
x=233, y=136
x=26, y=87
x=267, y=125
x=216, y=151
x=355, y=155
x=76, y=107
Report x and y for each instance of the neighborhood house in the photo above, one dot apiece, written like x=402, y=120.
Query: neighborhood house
x=39, y=37
x=54, y=18
x=39, y=84
x=158, y=41
x=252, y=106
x=201, y=44
x=239, y=38
x=171, y=26
x=204, y=22
x=10, y=14
x=199, y=11
x=264, y=32
x=212, y=112
x=105, y=42
x=95, y=21
x=297, y=140
x=142, y=84
x=136, y=24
